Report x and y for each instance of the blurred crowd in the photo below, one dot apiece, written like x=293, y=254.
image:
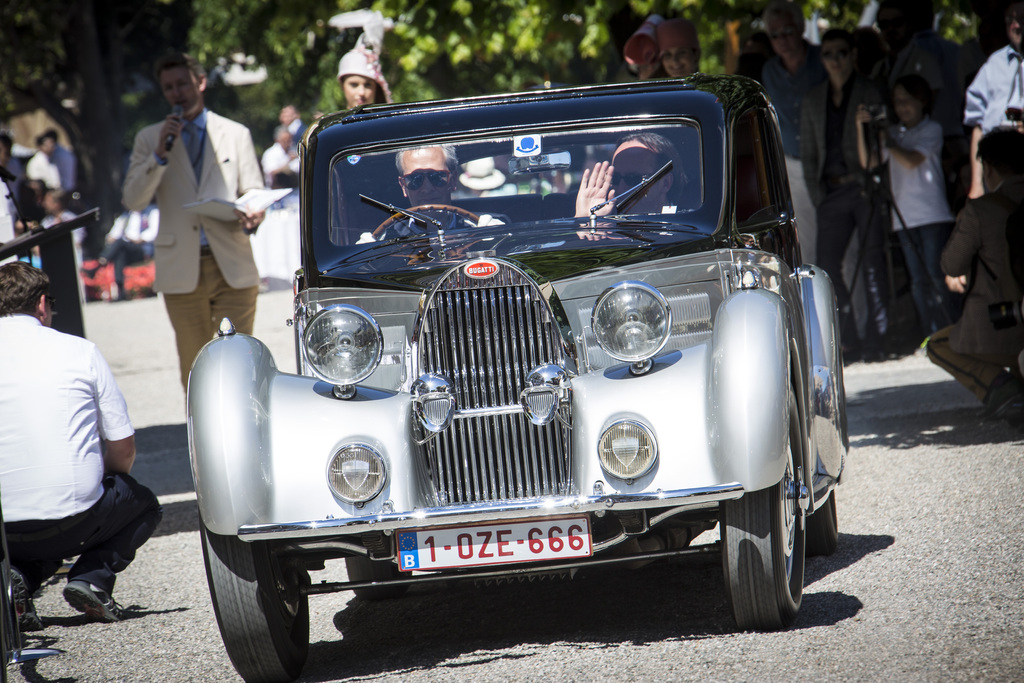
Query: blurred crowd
x=905, y=156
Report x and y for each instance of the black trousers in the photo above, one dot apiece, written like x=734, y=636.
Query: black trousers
x=105, y=537
x=845, y=213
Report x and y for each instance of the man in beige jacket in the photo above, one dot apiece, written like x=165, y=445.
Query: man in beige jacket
x=204, y=266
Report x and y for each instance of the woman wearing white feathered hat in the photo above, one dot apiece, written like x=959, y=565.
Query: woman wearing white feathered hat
x=359, y=72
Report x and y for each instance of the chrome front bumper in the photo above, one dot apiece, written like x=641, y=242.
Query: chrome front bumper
x=677, y=501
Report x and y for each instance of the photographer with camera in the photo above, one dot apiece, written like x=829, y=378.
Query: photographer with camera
x=839, y=188
x=921, y=217
x=981, y=349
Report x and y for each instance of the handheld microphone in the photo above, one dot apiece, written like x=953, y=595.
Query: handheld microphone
x=169, y=141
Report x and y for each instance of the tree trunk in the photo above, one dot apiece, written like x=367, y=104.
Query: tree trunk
x=94, y=127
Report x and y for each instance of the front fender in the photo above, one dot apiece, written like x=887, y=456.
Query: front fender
x=228, y=430
x=750, y=384
x=260, y=440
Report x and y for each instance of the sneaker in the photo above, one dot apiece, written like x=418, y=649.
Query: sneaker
x=95, y=603
x=28, y=620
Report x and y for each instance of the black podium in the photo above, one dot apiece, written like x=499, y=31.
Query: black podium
x=57, y=253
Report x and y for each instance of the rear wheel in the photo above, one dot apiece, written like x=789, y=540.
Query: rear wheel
x=763, y=548
x=823, y=529
x=365, y=569
x=261, y=610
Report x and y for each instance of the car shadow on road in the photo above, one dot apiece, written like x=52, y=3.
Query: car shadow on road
x=464, y=624
x=852, y=549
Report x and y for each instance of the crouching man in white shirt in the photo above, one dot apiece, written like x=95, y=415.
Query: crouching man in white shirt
x=66, y=450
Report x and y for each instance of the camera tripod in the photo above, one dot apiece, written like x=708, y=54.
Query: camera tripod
x=880, y=196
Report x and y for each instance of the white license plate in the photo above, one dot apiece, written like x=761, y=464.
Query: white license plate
x=487, y=544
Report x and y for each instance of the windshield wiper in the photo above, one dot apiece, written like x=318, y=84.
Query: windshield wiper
x=631, y=196
x=412, y=215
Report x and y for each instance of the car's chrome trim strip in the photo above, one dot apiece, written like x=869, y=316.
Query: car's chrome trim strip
x=489, y=512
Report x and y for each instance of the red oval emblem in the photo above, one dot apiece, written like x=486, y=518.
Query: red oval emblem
x=481, y=269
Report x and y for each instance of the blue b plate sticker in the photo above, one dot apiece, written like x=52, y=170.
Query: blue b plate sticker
x=526, y=145
x=408, y=550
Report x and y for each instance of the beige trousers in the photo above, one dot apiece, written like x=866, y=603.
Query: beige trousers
x=196, y=316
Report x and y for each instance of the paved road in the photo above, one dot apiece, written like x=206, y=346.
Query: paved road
x=927, y=584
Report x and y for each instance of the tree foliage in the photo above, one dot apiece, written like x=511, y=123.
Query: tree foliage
x=89, y=63
x=468, y=47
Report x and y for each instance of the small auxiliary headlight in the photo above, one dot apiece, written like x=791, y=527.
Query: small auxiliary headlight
x=631, y=321
x=547, y=387
x=343, y=344
x=356, y=473
x=627, y=450
x=433, y=402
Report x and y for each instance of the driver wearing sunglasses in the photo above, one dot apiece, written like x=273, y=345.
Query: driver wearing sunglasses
x=427, y=174
x=427, y=178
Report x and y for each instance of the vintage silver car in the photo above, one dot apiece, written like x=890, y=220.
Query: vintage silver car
x=515, y=360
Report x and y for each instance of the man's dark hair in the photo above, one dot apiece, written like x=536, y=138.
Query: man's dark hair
x=900, y=5
x=21, y=285
x=839, y=34
x=920, y=14
x=1004, y=151
x=6, y=141
x=174, y=59
x=50, y=134
x=918, y=88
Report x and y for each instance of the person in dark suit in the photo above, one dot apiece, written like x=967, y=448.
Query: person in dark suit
x=979, y=356
x=204, y=266
x=839, y=189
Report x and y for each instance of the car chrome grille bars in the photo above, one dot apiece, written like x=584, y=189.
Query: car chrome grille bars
x=485, y=336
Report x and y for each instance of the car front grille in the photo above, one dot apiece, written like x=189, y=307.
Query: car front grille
x=485, y=336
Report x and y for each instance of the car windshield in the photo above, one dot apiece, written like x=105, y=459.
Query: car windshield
x=408, y=190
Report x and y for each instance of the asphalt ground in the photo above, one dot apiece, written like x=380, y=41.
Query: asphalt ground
x=927, y=583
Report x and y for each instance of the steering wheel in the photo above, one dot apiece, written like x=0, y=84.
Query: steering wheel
x=468, y=215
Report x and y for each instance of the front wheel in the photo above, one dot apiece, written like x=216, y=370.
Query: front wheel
x=763, y=548
x=261, y=610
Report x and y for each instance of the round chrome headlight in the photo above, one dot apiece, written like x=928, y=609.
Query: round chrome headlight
x=627, y=449
x=631, y=321
x=356, y=473
x=343, y=344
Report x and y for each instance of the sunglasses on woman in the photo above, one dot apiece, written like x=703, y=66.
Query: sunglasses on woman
x=414, y=180
x=630, y=179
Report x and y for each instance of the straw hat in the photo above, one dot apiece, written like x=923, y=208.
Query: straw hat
x=480, y=174
x=362, y=62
